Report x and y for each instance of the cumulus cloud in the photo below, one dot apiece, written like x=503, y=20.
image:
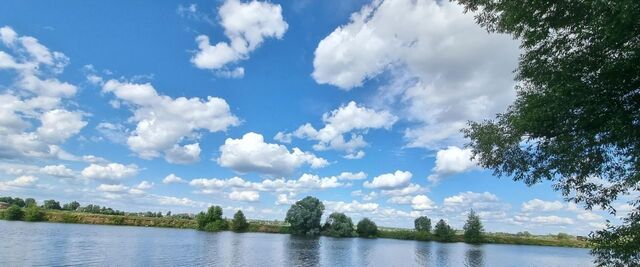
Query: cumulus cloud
x=350, y=207
x=163, y=122
x=247, y=196
x=486, y=204
x=351, y=119
x=422, y=202
x=246, y=25
x=251, y=154
x=21, y=181
x=113, y=188
x=352, y=176
x=429, y=49
x=35, y=95
x=57, y=171
x=173, y=179
x=144, y=185
x=451, y=161
x=541, y=205
x=112, y=172
x=545, y=220
x=390, y=180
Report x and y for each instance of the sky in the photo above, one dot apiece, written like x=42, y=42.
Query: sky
x=252, y=105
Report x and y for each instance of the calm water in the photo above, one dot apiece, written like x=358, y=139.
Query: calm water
x=51, y=244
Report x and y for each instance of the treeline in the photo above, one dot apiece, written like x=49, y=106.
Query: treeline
x=305, y=216
x=28, y=210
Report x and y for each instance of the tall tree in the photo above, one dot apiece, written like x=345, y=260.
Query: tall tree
x=473, y=229
x=367, y=228
x=422, y=224
x=576, y=119
x=443, y=232
x=239, y=222
x=51, y=205
x=305, y=215
x=339, y=225
x=211, y=220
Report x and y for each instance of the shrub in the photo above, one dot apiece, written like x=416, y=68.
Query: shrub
x=13, y=213
x=212, y=220
x=367, y=228
x=34, y=214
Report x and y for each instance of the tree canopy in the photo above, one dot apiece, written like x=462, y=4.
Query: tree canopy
x=422, y=224
x=212, y=220
x=367, y=228
x=443, y=232
x=473, y=229
x=576, y=118
x=239, y=222
x=51, y=205
x=13, y=213
x=305, y=215
x=339, y=225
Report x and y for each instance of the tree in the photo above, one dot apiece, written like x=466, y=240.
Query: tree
x=305, y=215
x=74, y=205
x=444, y=232
x=339, y=225
x=13, y=213
x=367, y=228
x=52, y=205
x=28, y=202
x=575, y=119
x=422, y=224
x=239, y=222
x=473, y=229
x=34, y=214
x=212, y=220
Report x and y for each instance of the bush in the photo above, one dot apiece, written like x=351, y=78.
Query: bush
x=239, y=223
x=305, y=215
x=367, y=228
x=443, y=232
x=212, y=220
x=13, y=213
x=339, y=225
x=216, y=226
x=34, y=214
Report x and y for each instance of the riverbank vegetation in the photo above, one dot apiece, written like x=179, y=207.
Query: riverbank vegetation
x=303, y=218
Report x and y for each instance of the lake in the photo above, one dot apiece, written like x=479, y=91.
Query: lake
x=53, y=244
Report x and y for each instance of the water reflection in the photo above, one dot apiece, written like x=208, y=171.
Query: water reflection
x=474, y=257
x=303, y=251
x=423, y=253
x=442, y=255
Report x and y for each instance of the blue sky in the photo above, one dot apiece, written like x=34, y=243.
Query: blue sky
x=166, y=105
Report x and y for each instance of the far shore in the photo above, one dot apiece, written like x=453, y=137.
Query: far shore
x=263, y=226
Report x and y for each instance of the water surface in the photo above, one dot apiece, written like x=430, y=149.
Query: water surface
x=53, y=244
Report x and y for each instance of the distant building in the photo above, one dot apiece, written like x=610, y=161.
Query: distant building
x=582, y=238
x=4, y=205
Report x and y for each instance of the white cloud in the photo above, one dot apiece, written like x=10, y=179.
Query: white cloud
x=172, y=179
x=352, y=176
x=109, y=172
x=21, y=181
x=306, y=182
x=404, y=191
x=248, y=196
x=164, y=122
x=400, y=199
x=252, y=154
x=422, y=202
x=113, y=188
x=283, y=199
x=57, y=171
x=430, y=51
x=246, y=25
x=59, y=124
x=350, y=207
x=144, y=185
x=589, y=216
x=350, y=118
x=390, y=180
x=487, y=205
x=547, y=220
x=451, y=161
x=541, y=205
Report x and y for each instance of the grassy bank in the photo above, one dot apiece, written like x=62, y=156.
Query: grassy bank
x=261, y=226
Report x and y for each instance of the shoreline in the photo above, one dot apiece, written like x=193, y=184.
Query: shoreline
x=69, y=217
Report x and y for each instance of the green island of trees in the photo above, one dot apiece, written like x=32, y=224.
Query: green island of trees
x=303, y=218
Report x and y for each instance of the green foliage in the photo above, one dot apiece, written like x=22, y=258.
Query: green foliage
x=339, y=225
x=212, y=220
x=576, y=112
x=28, y=202
x=239, y=223
x=618, y=245
x=305, y=215
x=13, y=213
x=74, y=205
x=443, y=232
x=422, y=224
x=13, y=201
x=34, y=214
x=473, y=229
x=563, y=236
x=367, y=228
x=51, y=205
